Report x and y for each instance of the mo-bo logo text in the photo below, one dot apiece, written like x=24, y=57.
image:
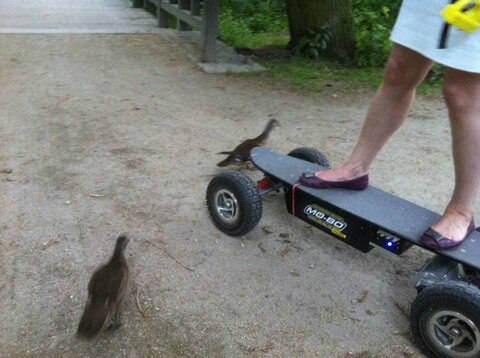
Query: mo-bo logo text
x=321, y=215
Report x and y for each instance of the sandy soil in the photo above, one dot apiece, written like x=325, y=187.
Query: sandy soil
x=119, y=133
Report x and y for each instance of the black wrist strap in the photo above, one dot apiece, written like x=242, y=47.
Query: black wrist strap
x=444, y=35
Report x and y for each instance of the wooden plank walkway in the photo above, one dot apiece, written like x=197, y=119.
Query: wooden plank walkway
x=74, y=16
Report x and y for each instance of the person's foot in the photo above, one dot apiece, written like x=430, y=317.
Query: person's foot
x=449, y=231
x=335, y=178
x=339, y=174
x=452, y=225
x=311, y=180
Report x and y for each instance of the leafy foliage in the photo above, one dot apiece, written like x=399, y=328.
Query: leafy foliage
x=240, y=20
x=233, y=30
x=374, y=20
x=242, y=25
x=316, y=43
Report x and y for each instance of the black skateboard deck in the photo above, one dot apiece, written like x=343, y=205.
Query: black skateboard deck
x=372, y=207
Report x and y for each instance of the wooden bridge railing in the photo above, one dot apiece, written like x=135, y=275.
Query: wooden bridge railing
x=199, y=14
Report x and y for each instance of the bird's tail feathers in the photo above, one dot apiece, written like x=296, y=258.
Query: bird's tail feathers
x=226, y=153
x=93, y=318
x=224, y=162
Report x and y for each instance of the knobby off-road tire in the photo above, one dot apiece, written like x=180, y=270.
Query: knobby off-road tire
x=234, y=203
x=445, y=320
x=311, y=155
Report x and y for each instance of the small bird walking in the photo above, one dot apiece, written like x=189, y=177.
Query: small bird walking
x=241, y=153
x=106, y=291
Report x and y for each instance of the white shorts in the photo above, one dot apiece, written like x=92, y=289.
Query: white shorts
x=419, y=27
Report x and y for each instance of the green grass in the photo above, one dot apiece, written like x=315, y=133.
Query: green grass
x=319, y=75
x=316, y=75
x=255, y=41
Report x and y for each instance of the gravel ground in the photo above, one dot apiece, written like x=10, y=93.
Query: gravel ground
x=106, y=134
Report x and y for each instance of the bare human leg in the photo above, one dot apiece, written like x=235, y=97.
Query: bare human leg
x=405, y=70
x=462, y=93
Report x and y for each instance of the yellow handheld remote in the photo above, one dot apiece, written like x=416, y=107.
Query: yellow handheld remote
x=463, y=14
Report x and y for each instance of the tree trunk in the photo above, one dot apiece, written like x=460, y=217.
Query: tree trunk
x=307, y=16
x=303, y=16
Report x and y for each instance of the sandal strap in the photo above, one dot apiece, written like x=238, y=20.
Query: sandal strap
x=434, y=235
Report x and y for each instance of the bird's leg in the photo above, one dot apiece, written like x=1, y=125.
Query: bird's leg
x=117, y=322
x=250, y=167
x=116, y=319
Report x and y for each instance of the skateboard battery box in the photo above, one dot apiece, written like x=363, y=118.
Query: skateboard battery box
x=340, y=224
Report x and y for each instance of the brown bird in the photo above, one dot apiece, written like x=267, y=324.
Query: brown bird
x=106, y=291
x=241, y=153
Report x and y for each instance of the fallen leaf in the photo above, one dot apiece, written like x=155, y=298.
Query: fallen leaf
x=362, y=296
x=49, y=243
x=266, y=230
x=295, y=273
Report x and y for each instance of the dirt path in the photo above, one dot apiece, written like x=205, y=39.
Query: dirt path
x=113, y=133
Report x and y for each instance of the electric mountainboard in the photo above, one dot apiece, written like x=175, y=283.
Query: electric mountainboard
x=445, y=316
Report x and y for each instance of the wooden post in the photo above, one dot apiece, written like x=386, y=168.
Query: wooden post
x=183, y=5
x=209, y=30
x=162, y=17
x=187, y=14
x=195, y=7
